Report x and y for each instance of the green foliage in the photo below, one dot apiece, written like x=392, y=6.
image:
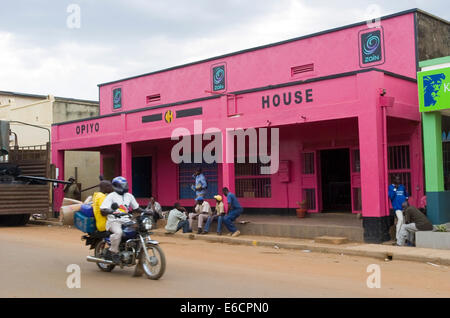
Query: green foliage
x=441, y=228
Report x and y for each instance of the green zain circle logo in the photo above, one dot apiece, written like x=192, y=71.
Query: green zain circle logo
x=117, y=98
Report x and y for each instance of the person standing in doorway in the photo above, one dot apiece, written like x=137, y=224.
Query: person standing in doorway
x=200, y=183
x=398, y=195
x=234, y=211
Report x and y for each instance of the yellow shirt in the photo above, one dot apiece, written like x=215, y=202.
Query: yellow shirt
x=100, y=220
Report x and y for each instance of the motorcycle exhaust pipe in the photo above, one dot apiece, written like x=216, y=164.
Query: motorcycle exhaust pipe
x=98, y=260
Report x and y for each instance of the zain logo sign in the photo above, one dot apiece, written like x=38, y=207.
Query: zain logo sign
x=117, y=98
x=218, y=78
x=371, y=47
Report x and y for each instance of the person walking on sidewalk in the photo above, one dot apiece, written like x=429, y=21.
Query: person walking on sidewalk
x=234, y=211
x=218, y=214
x=398, y=195
x=414, y=221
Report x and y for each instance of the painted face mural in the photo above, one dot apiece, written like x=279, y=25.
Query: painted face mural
x=431, y=86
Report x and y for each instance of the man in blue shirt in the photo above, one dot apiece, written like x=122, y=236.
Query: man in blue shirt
x=234, y=211
x=398, y=194
x=200, y=183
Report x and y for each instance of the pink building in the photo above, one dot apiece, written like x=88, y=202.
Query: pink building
x=344, y=100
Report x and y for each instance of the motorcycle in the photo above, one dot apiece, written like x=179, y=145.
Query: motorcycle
x=136, y=248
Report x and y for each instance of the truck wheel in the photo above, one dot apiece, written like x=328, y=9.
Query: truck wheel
x=15, y=220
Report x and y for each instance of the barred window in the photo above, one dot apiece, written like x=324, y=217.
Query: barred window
x=399, y=164
x=185, y=179
x=310, y=196
x=249, y=181
x=308, y=163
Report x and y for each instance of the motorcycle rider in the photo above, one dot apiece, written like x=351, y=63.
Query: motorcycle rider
x=119, y=201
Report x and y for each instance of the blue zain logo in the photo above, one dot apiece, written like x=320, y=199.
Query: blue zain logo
x=218, y=79
x=117, y=98
x=371, y=45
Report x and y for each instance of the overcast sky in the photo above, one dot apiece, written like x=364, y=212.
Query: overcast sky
x=45, y=49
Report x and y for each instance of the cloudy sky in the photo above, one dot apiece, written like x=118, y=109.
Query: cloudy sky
x=46, y=49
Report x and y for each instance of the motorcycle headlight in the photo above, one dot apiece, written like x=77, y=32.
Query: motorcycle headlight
x=147, y=223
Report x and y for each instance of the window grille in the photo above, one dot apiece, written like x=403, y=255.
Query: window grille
x=185, y=179
x=399, y=164
x=250, y=183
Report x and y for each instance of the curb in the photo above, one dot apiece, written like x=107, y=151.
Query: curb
x=384, y=255
x=45, y=222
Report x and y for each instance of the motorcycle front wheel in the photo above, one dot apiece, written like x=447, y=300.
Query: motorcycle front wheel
x=155, y=264
x=100, y=253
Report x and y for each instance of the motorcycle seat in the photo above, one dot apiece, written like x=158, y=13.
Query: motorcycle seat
x=100, y=235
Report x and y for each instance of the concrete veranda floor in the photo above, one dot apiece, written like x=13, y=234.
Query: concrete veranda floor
x=313, y=225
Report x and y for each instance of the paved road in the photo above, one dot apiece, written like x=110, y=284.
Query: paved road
x=33, y=262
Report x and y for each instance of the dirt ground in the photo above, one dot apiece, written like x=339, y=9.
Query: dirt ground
x=34, y=259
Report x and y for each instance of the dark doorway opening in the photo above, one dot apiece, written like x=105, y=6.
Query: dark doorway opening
x=142, y=177
x=109, y=168
x=335, y=180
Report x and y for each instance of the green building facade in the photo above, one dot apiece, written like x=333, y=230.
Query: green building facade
x=434, y=100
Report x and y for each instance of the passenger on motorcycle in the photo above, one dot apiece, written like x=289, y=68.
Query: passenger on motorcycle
x=123, y=202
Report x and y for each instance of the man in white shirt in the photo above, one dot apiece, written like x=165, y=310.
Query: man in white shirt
x=119, y=201
x=202, y=211
x=177, y=220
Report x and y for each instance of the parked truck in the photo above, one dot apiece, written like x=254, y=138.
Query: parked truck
x=26, y=186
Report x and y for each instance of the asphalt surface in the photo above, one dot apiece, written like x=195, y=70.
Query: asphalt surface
x=34, y=260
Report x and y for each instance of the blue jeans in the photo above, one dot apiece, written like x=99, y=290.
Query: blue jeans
x=211, y=219
x=183, y=225
x=230, y=218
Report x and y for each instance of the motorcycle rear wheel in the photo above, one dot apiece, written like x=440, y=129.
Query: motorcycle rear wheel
x=155, y=266
x=99, y=253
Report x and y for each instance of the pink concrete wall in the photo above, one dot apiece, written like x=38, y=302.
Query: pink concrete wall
x=340, y=112
x=344, y=112
x=332, y=53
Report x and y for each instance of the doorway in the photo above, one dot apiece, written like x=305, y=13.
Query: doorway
x=142, y=177
x=109, y=168
x=335, y=180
